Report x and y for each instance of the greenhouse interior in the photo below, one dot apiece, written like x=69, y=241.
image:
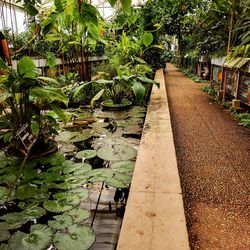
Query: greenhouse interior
x=124, y=124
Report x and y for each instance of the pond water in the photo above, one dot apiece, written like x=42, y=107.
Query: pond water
x=61, y=198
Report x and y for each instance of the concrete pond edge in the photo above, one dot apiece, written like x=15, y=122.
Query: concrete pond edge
x=154, y=216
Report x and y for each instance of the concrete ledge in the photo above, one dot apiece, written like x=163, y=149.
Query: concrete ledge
x=154, y=216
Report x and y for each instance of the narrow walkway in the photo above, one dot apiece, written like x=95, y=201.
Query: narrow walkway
x=213, y=154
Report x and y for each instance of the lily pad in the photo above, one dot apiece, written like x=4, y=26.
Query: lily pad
x=64, y=203
x=60, y=222
x=3, y=160
x=54, y=159
x=39, y=238
x=26, y=191
x=116, y=153
x=116, y=183
x=3, y=192
x=83, y=167
x=8, y=226
x=86, y=154
x=78, y=214
x=4, y=234
x=99, y=175
x=66, y=136
x=83, y=193
x=85, y=135
x=8, y=179
x=78, y=237
x=99, y=125
x=123, y=166
x=22, y=217
x=68, y=148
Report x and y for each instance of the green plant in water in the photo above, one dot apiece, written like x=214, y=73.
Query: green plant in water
x=39, y=238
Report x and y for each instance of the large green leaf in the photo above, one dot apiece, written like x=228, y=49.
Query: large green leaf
x=77, y=237
x=3, y=65
x=147, y=38
x=49, y=94
x=78, y=214
x=88, y=14
x=139, y=91
x=56, y=206
x=26, y=191
x=22, y=217
x=61, y=222
x=3, y=192
x=126, y=4
x=123, y=166
x=116, y=153
x=39, y=238
x=30, y=8
x=48, y=80
x=59, y=5
x=96, y=97
x=26, y=68
x=60, y=112
x=86, y=154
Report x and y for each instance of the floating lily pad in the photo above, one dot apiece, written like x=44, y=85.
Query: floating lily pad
x=99, y=125
x=8, y=226
x=83, y=193
x=54, y=159
x=123, y=166
x=60, y=222
x=64, y=203
x=68, y=148
x=3, y=160
x=133, y=130
x=99, y=175
x=22, y=217
x=83, y=167
x=4, y=234
x=85, y=135
x=116, y=153
x=78, y=214
x=123, y=177
x=39, y=238
x=116, y=183
x=86, y=154
x=8, y=179
x=26, y=191
x=78, y=237
x=66, y=136
x=56, y=206
x=3, y=192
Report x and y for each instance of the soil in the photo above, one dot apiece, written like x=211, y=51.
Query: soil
x=213, y=154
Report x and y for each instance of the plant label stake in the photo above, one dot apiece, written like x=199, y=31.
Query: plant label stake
x=26, y=137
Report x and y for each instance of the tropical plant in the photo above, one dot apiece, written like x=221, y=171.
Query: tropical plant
x=23, y=95
x=120, y=89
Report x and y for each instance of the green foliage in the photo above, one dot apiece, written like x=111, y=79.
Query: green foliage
x=209, y=90
x=194, y=77
x=244, y=118
x=24, y=92
x=39, y=238
x=77, y=237
x=116, y=153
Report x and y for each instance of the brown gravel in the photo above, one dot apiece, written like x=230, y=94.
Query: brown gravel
x=213, y=154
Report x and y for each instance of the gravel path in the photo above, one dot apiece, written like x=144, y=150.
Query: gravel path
x=213, y=154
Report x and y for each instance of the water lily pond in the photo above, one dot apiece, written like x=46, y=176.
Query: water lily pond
x=75, y=197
